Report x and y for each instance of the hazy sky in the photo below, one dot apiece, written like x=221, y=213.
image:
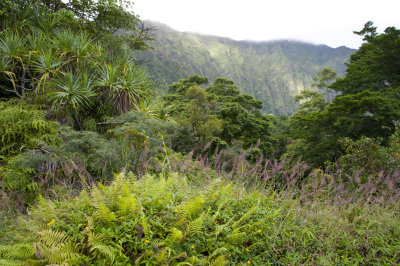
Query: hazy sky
x=316, y=21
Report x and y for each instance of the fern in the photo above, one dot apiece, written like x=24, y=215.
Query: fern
x=18, y=251
x=216, y=252
x=148, y=253
x=96, y=196
x=195, y=227
x=104, y=213
x=219, y=209
x=22, y=251
x=55, y=247
x=4, y=250
x=117, y=186
x=127, y=205
x=174, y=237
x=192, y=207
x=145, y=226
x=219, y=229
x=236, y=237
x=10, y=262
x=219, y=261
x=59, y=254
x=162, y=256
x=104, y=251
x=244, y=217
x=99, y=249
x=52, y=238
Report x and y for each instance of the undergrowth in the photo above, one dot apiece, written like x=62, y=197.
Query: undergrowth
x=172, y=221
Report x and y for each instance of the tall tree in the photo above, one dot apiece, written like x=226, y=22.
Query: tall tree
x=323, y=80
x=220, y=113
x=368, y=104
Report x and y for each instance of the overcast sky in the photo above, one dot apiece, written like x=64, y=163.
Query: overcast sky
x=316, y=21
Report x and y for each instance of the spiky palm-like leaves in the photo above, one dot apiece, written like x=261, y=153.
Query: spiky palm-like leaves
x=75, y=90
x=76, y=48
x=74, y=93
x=46, y=64
x=13, y=49
x=46, y=22
x=12, y=44
x=125, y=85
x=5, y=67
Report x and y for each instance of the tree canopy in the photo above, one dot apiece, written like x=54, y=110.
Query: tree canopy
x=367, y=101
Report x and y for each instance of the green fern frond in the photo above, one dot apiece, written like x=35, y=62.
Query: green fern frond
x=127, y=205
x=148, y=253
x=18, y=251
x=145, y=226
x=162, y=256
x=22, y=251
x=4, y=250
x=220, y=261
x=219, y=209
x=192, y=207
x=60, y=254
x=180, y=255
x=117, y=186
x=96, y=196
x=175, y=236
x=236, y=237
x=195, y=226
x=104, y=251
x=89, y=227
x=184, y=263
x=10, y=262
x=244, y=217
x=154, y=190
x=52, y=238
x=217, y=251
x=158, y=242
x=98, y=249
x=104, y=213
x=226, y=190
x=197, y=261
x=219, y=229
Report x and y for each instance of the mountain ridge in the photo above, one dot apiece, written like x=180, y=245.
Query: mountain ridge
x=272, y=71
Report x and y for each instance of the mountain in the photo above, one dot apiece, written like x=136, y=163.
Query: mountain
x=271, y=71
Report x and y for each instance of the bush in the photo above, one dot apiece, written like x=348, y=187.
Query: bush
x=157, y=221
x=370, y=155
x=23, y=126
x=99, y=156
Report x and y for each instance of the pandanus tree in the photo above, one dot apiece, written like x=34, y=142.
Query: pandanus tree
x=46, y=64
x=124, y=85
x=57, y=46
x=14, y=51
x=74, y=93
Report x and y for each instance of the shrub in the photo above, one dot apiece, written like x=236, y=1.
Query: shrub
x=23, y=126
x=150, y=221
x=157, y=221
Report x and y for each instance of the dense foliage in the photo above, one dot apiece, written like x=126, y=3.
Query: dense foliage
x=96, y=169
x=171, y=220
x=219, y=115
x=367, y=103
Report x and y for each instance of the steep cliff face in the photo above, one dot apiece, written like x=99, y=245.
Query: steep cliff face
x=271, y=71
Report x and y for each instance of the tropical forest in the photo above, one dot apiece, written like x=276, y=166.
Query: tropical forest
x=125, y=142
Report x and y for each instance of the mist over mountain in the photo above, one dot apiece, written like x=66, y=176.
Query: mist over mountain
x=272, y=71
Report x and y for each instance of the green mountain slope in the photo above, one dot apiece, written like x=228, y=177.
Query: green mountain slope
x=271, y=71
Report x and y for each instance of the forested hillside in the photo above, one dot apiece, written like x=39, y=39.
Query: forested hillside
x=273, y=72
x=98, y=168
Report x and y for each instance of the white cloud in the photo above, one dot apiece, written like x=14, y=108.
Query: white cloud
x=315, y=21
